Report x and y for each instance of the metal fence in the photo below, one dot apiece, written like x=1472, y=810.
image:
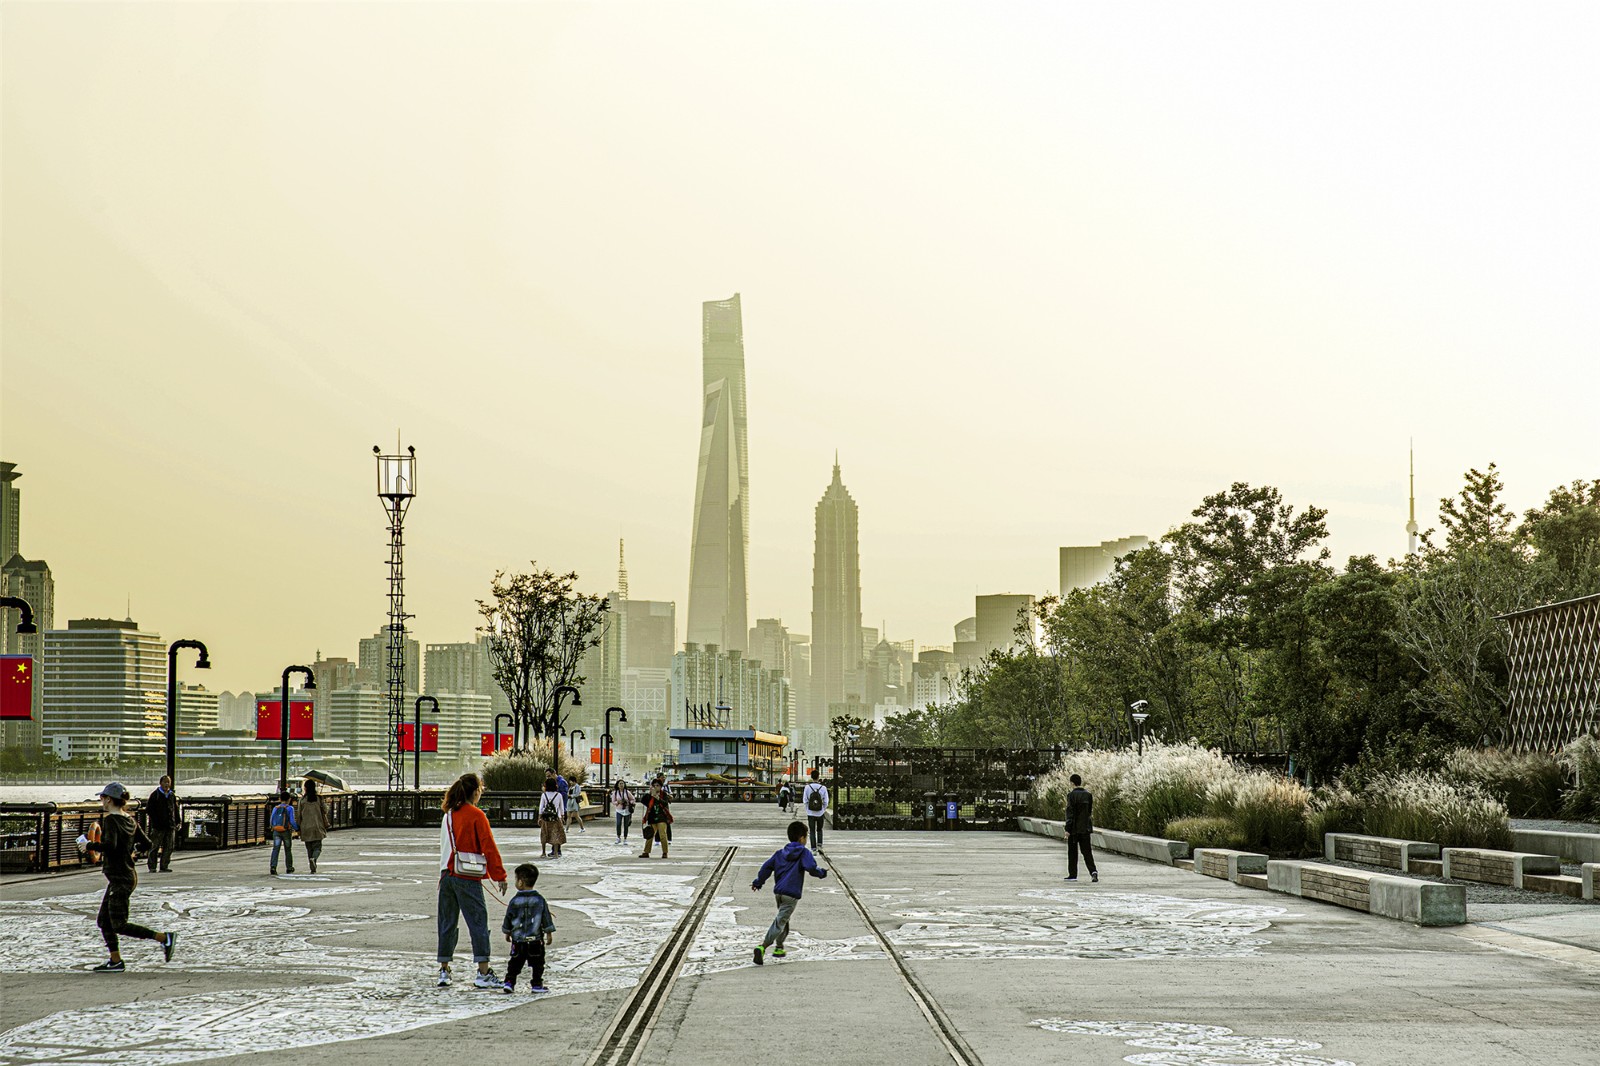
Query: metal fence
x=935, y=788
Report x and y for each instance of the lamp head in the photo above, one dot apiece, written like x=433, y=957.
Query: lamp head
x=577, y=699
x=1139, y=705
x=204, y=663
x=311, y=682
x=27, y=628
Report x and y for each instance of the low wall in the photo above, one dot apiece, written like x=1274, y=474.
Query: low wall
x=1496, y=867
x=1152, y=849
x=1389, y=852
x=1386, y=895
x=1591, y=875
x=1228, y=863
x=1579, y=847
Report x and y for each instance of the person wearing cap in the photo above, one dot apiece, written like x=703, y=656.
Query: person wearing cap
x=120, y=835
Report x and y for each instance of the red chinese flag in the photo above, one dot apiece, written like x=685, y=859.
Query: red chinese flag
x=486, y=743
x=405, y=737
x=599, y=755
x=430, y=737
x=302, y=718
x=16, y=686
x=268, y=720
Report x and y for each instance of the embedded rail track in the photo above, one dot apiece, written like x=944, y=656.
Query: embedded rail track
x=624, y=1039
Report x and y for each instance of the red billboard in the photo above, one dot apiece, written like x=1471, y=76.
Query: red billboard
x=269, y=717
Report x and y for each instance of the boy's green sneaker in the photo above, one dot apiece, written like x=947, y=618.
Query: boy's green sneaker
x=779, y=953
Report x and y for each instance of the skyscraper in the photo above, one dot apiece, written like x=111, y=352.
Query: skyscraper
x=106, y=679
x=719, y=556
x=31, y=580
x=835, y=603
x=1084, y=566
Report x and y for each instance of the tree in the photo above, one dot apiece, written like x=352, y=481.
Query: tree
x=1565, y=537
x=538, y=628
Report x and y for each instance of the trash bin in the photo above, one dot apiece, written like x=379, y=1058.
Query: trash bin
x=952, y=811
x=930, y=808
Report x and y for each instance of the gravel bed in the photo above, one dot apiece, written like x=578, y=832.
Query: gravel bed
x=1478, y=892
x=1554, y=825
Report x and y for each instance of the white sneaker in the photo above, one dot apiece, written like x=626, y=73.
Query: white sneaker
x=444, y=977
x=487, y=980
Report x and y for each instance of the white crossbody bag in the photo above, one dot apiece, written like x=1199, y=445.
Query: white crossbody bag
x=467, y=863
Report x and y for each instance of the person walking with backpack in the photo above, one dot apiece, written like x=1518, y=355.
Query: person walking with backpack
x=120, y=835
x=657, y=820
x=282, y=824
x=467, y=856
x=815, y=799
x=161, y=824
x=622, y=808
x=1078, y=825
x=552, y=818
x=313, y=817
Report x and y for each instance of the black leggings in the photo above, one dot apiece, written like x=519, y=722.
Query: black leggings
x=113, y=918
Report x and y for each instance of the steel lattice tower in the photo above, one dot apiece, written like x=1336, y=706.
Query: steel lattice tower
x=397, y=484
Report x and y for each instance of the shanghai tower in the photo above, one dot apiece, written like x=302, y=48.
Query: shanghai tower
x=719, y=557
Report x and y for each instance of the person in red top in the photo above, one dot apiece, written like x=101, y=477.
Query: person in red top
x=467, y=857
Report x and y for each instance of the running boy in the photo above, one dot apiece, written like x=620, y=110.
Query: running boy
x=529, y=927
x=119, y=835
x=790, y=864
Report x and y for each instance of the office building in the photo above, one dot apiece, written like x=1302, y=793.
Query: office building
x=756, y=698
x=719, y=555
x=10, y=512
x=998, y=617
x=835, y=600
x=373, y=662
x=199, y=710
x=32, y=581
x=106, y=677
x=1087, y=565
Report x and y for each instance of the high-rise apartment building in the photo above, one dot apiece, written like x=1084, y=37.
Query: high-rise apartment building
x=199, y=710
x=719, y=555
x=10, y=512
x=103, y=677
x=835, y=602
x=770, y=643
x=757, y=698
x=459, y=667
x=998, y=617
x=1087, y=565
x=32, y=581
x=372, y=661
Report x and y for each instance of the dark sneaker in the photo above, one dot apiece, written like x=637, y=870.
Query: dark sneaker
x=109, y=967
x=760, y=957
x=169, y=942
x=1069, y=879
x=507, y=988
x=536, y=989
x=1094, y=877
x=779, y=953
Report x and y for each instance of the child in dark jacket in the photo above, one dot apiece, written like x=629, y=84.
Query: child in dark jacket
x=788, y=866
x=529, y=927
x=120, y=835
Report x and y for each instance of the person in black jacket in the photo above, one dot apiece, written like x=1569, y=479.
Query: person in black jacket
x=1079, y=823
x=119, y=836
x=161, y=823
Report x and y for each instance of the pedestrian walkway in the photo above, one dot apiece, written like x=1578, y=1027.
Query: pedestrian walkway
x=1020, y=967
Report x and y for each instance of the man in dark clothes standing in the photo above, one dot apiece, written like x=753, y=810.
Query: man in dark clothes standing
x=161, y=823
x=1080, y=805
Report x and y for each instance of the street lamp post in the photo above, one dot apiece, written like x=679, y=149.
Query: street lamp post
x=572, y=743
x=172, y=698
x=606, y=743
x=283, y=720
x=799, y=761
x=25, y=626
x=511, y=725
x=552, y=725
x=1140, y=711
x=416, y=739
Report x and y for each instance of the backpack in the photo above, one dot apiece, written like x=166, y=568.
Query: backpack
x=548, y=812
x=816, y=799
x=280, y=820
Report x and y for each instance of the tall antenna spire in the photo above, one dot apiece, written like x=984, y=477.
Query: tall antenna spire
x=1411, y=523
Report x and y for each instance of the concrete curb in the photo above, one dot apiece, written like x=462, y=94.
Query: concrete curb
x=1152, y=849
x=1591, y=876
x=1579, y=847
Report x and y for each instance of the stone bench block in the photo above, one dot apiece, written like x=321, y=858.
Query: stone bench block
x=1579, y=847
x=1496, y=867
x=1154, y=849
x=1227, y=863
x=1563, y=884
x=1042, y=827
x=1426, y=867
x=1252, y=881
x=1389, y=852
x=1591, y=875
x=1404, y=899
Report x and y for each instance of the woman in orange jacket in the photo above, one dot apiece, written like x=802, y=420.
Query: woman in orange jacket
x=467, y=857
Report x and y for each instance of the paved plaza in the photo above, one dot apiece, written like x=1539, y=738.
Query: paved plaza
x=1152, y=965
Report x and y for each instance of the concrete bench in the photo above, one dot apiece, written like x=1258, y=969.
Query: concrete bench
x=1227, y=863
x=1591, y=875
x=1562, y=884
x=1388, y=852
x=1153, y=849
x=1496, y=867
x=1405, y=899
x=1579, y=847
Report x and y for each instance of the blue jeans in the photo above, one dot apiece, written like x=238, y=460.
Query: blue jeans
x=285, y=841
x=460, y=896
x=624, y=823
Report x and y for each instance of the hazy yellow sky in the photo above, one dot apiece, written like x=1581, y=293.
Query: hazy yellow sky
x=1043, y=274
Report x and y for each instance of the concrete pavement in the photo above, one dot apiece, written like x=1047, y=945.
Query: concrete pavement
x=1153, y=965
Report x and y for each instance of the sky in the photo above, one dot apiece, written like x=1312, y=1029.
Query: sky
x=1043, y=274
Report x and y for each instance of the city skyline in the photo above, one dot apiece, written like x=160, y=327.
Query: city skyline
x=1026, y=323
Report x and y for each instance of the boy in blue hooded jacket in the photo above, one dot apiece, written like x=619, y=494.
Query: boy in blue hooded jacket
x=789, y=864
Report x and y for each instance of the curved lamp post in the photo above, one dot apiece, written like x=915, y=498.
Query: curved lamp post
x=172, y=697
x=416, y=739
x=572, y=743
x=511, y=727
x=25, y=625
x=799, y=761
x=554, y=721
x=283, y=720
x=606, y=743
x=1139, y=711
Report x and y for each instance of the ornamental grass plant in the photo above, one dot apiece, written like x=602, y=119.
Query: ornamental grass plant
x=523, y=770
x=1582, y=802
x=1528, y=783
x=1431, y=807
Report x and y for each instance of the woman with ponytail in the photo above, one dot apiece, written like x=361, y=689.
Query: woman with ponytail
x=467, y=856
